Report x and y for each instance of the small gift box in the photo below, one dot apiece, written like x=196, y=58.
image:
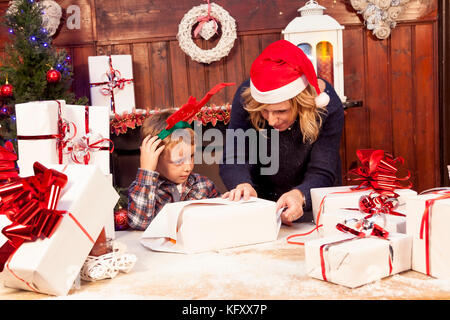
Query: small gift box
x=352, y=261
x=39, y=129
x=90, y=144
x=212, y=224
x=111, y=80
x=428, y=222
x=54, y=243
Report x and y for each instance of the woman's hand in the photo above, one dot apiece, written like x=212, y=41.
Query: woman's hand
x=293, y=201
x=150, y=152
x=244, y=190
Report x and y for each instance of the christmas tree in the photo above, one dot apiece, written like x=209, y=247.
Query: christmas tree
x=31, y=70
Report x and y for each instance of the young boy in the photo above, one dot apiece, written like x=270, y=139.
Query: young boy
x=165, y=173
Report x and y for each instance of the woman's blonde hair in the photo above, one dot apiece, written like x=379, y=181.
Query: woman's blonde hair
x=303, y=105
x=156, y=123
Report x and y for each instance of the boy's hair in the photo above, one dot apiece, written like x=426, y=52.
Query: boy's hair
x=156, y=123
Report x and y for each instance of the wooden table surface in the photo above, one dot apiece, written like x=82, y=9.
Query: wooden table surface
x=274, y=270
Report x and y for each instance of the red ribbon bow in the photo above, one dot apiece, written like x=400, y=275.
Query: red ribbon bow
x=30, y=204
x=380, y=172
x=115, y=80
x=203, y=20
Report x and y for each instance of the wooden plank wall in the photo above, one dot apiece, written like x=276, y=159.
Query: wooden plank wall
x=397, y=78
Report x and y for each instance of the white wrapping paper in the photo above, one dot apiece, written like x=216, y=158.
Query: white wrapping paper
x=439, y=235
x=359, y=261
x=51, y=265
x=37, y=119
x=212, y=224
x=124, y=98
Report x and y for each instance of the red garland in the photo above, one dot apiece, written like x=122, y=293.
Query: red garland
x=119, y=124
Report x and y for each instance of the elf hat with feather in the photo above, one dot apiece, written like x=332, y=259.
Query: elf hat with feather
x=281, y=72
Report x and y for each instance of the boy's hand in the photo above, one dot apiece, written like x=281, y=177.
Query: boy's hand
x=150, y=152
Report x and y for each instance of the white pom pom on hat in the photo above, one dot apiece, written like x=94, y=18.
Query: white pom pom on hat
x=281, y=72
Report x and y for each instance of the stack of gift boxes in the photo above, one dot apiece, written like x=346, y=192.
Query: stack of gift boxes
x=44, y=249
x=378, y=227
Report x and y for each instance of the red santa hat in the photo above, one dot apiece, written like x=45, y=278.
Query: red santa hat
x=281, y=72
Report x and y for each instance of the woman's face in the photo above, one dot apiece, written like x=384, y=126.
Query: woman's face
x=279, y=115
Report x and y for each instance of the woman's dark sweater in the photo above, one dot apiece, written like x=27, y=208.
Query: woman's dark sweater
x=301, y=165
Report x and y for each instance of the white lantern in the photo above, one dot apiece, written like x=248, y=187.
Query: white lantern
x=320, y=38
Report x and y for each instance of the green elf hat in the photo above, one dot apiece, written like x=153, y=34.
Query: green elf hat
x=181, y=118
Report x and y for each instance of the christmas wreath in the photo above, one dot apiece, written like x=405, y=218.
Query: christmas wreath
x=207, y=16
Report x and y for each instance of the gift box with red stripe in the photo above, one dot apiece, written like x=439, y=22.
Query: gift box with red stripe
x=353, y=261
x=428, y=223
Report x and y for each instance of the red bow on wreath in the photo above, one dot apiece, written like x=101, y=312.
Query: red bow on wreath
x=30, y=204
x=380, y=172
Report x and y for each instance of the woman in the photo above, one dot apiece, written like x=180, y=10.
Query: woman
x=283, y=93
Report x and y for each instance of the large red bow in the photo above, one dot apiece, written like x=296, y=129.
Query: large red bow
x=380, y=172
x=30, y=204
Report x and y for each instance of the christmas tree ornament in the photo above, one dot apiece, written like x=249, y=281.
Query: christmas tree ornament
x=6, y=90
x=53, y=75
x=120, y=219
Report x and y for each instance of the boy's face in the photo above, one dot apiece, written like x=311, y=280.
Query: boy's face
x=177, y=163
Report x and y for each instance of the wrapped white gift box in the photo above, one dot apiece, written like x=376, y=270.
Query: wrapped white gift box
x=439, y=235
x=98, y=127
x=352, y=262
x=37, y=119
x=339, y=198
x=99, y=66
x=98, y=123
x=212, y=224
x=51, y=265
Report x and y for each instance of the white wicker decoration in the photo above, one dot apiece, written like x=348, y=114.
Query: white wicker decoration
x=226, y=42
x=107, y=266
x=51, y=16
x=379, y=15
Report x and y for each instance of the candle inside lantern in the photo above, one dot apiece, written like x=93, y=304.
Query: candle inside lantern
x=325, y=62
